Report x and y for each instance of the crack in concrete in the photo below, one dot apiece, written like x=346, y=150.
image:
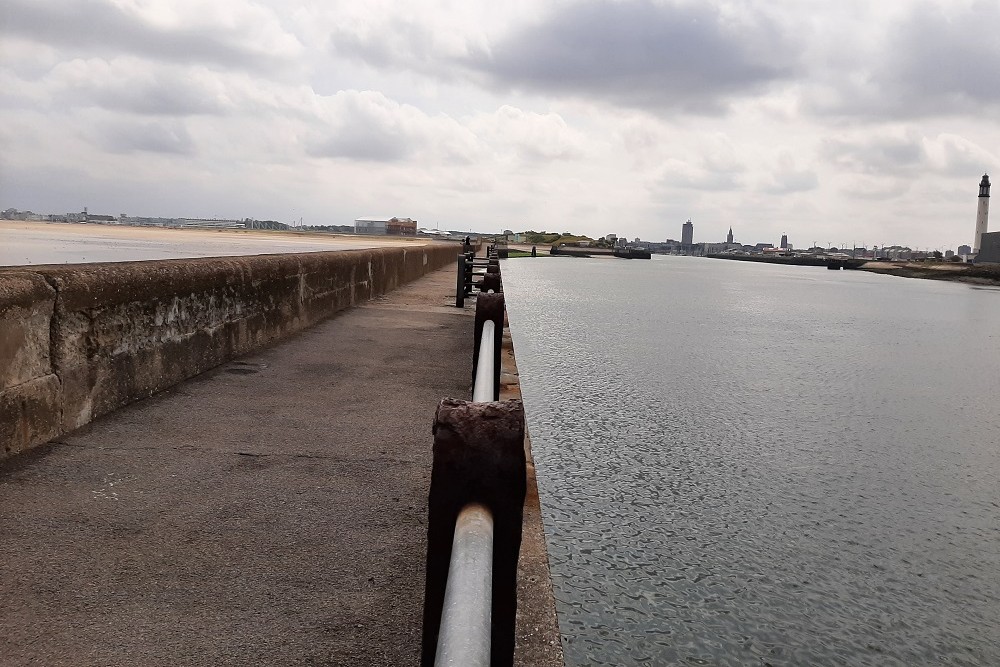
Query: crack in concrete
x=227, y=452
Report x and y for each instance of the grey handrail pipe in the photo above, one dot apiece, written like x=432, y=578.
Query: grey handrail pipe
x=483, y=388
x=466, y=617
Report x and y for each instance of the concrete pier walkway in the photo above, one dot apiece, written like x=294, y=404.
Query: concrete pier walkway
x=269, y=512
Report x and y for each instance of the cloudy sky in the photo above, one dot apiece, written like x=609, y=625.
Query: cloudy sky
x=834, y=122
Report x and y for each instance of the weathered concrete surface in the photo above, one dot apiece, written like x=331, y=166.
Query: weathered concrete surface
x=26, y=303
x=30, y=413
x=269, y=512
x=117, y=333
x=30, y=410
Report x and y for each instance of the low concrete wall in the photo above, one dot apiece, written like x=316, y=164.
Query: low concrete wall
x=79, y=341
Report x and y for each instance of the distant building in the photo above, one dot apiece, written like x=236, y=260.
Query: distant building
x=948, y=254
x=982, y=213
x=687, y=234
x=401, y=227
x=211, y=223
x=784, y=242
x=716, y=248
x=896, y=252
x=729, y=236
x=989, y=253
x=392, y=226
x=964, y=250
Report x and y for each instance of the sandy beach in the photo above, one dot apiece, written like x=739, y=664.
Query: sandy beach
x=33, y=243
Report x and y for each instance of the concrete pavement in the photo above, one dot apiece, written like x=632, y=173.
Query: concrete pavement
x=269, y=512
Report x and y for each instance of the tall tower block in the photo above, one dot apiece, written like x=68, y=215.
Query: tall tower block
x=983, y=213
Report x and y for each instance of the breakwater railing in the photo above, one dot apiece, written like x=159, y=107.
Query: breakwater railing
x=468, y=269
x=475, y=510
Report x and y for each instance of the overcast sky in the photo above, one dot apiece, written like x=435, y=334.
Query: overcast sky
x=834, y=122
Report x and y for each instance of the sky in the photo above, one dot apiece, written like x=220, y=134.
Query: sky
x=838, y=123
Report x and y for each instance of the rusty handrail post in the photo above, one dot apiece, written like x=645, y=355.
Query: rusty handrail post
x=460, y=285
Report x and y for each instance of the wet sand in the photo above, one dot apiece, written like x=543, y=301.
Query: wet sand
x=33, y=243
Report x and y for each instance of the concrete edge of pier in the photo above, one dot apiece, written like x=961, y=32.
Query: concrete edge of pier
x=538, y=641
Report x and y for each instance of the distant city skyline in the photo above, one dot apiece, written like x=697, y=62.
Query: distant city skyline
x=12, y=213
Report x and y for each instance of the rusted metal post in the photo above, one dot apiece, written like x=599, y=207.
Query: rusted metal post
x=478, y=458
x=491, y=281
x=460, y=286
x=469, y=265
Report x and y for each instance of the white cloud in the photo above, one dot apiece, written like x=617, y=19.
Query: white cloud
x=955, y=155
x=129, y=85
x=827, y=119
x=529, y=136
x=881, y=153
x=368, y=126
x=227, y=33
x=170, y=137
x=787, y=177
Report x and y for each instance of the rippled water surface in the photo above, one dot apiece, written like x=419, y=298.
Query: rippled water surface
x=749, y=464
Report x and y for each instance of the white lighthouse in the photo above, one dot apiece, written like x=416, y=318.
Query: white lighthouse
x=983, y=213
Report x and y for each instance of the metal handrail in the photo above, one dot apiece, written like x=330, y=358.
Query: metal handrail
x=466, y=616
x=468, y=265
x=464, y=637
x=483, y=387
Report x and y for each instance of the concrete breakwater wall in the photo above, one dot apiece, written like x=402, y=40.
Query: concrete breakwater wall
x=792, y=261
x=79, y=341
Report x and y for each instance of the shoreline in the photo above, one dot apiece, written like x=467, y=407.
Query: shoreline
x=95, y=230
x=973, y=274
x=24, y=244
